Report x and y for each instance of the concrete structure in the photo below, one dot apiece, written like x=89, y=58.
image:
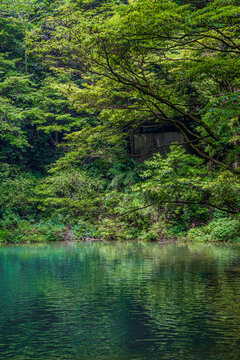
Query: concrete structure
x=146, y=140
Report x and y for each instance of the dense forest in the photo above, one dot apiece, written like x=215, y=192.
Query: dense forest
x=78, y=78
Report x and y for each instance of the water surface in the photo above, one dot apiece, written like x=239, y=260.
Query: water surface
x=124, y=301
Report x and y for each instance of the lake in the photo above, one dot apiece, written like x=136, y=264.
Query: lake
x=123, y=301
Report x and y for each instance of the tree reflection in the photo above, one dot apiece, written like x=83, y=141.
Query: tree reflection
x=119, y=301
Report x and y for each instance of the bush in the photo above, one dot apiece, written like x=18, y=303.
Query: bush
x=17, y=230
x=17, y=190
x=222, y=230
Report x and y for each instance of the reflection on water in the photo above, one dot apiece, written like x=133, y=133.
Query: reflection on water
x=119, y=301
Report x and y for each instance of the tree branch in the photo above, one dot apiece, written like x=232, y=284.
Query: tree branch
x=182, y=202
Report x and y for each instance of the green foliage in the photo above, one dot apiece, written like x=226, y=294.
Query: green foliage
x=78, y=78
x=175, y=184
x=16, y=190
x=71, y=193
x=17, y=230
x=154, y=61
x=224, y=188
x=222, y=230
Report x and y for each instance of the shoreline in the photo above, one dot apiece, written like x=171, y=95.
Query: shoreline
x=178, y=242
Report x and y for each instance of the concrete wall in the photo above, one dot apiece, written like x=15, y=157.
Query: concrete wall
x=143, y=143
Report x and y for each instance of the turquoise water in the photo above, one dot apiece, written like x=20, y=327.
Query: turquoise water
x=119, y=301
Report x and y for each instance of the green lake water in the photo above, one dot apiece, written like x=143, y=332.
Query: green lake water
x=123, y=301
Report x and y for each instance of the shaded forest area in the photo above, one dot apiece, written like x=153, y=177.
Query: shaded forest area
x=78, y=78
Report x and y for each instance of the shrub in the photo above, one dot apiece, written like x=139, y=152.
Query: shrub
x=222, y=230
